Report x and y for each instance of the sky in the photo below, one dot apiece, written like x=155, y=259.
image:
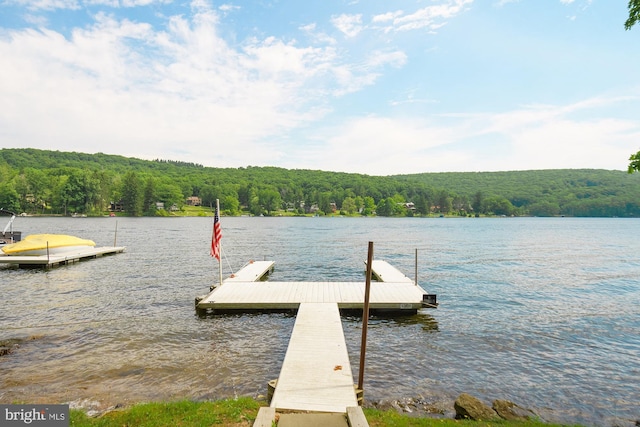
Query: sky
x=363, y=86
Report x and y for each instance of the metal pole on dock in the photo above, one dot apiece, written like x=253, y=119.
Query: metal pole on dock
x=416, y=273
x=365, y=318
x=115, y=235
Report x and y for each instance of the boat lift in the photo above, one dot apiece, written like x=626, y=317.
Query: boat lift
x=8, y=235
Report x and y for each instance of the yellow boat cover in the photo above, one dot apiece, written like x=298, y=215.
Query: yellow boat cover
x=34, y=242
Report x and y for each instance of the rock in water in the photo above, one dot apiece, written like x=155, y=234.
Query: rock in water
x=510, y=411
x=468, y=407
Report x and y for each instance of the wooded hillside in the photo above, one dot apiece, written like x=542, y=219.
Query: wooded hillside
x=53, y=182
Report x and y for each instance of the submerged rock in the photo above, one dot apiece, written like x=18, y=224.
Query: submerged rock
x=510, y=411
x=465, y=407
x=7, y=346
x=469, y=407
x=415, y=407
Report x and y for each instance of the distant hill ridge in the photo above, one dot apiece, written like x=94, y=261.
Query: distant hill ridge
x=571, y=192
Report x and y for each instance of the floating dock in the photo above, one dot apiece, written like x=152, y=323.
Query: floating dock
x=49, y=261
x=243, y=292
x=382, y=271
x=253, y=271
x=315, y=385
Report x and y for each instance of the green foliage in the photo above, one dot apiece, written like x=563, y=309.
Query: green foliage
x=349, y=206
x=445, y=202
x=52, y=182
x=498, y=205
x=80, y=192
x=9, y=199
x=634, y=161
x=131, y=194
x=544, y=208
x=478, y=204
x=269, y=200
x=230, y=205
x=556, y=192
x=369, y=205
x=634, y=14
x=149, y=197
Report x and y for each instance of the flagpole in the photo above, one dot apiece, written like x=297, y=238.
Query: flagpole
x=219, y=243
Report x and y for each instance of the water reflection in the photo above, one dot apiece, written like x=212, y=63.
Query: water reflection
x=426, y=321
x=541, y=312
x=376, y=319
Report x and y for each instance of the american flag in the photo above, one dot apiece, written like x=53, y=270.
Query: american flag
x=217, y=235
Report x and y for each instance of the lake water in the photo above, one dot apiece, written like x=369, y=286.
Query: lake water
x=544, y=312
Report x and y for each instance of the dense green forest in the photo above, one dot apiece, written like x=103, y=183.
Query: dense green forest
x=65, y=183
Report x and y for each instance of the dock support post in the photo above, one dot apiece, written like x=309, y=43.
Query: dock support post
x=416, y=272
x=271, y=388
x=359, y=395
x=365, y=318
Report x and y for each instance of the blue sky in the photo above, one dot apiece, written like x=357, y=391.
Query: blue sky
x=367, y=86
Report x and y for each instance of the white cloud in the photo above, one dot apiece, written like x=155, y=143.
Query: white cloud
x=46, y=4
x=350, y=25
x=180, y=92
x=318, y=37
x=431, y=17
x=537, y=137
x=228, y=7
x=77, y=4
x=396, y=59
x=387, y=17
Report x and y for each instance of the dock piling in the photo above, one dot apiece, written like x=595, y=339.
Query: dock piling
x=365, y=317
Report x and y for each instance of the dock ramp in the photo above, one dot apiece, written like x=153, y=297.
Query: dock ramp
x=316, y=373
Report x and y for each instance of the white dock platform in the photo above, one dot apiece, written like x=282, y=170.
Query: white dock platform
x=55, y=260
x=385, y=272
x=397, y=292
x=251, y=272
x=316, y=373
x=289, y=295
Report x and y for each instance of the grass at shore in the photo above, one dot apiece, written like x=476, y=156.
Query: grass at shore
x=229, y=412
x=241, y=412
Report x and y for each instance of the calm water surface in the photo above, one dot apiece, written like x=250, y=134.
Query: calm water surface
x=543, y=312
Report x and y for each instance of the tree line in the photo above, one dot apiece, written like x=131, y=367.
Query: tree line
x=65, y=183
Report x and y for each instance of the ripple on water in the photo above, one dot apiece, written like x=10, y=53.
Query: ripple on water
x=544, y=312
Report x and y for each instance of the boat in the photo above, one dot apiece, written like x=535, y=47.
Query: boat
x=46, y=244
